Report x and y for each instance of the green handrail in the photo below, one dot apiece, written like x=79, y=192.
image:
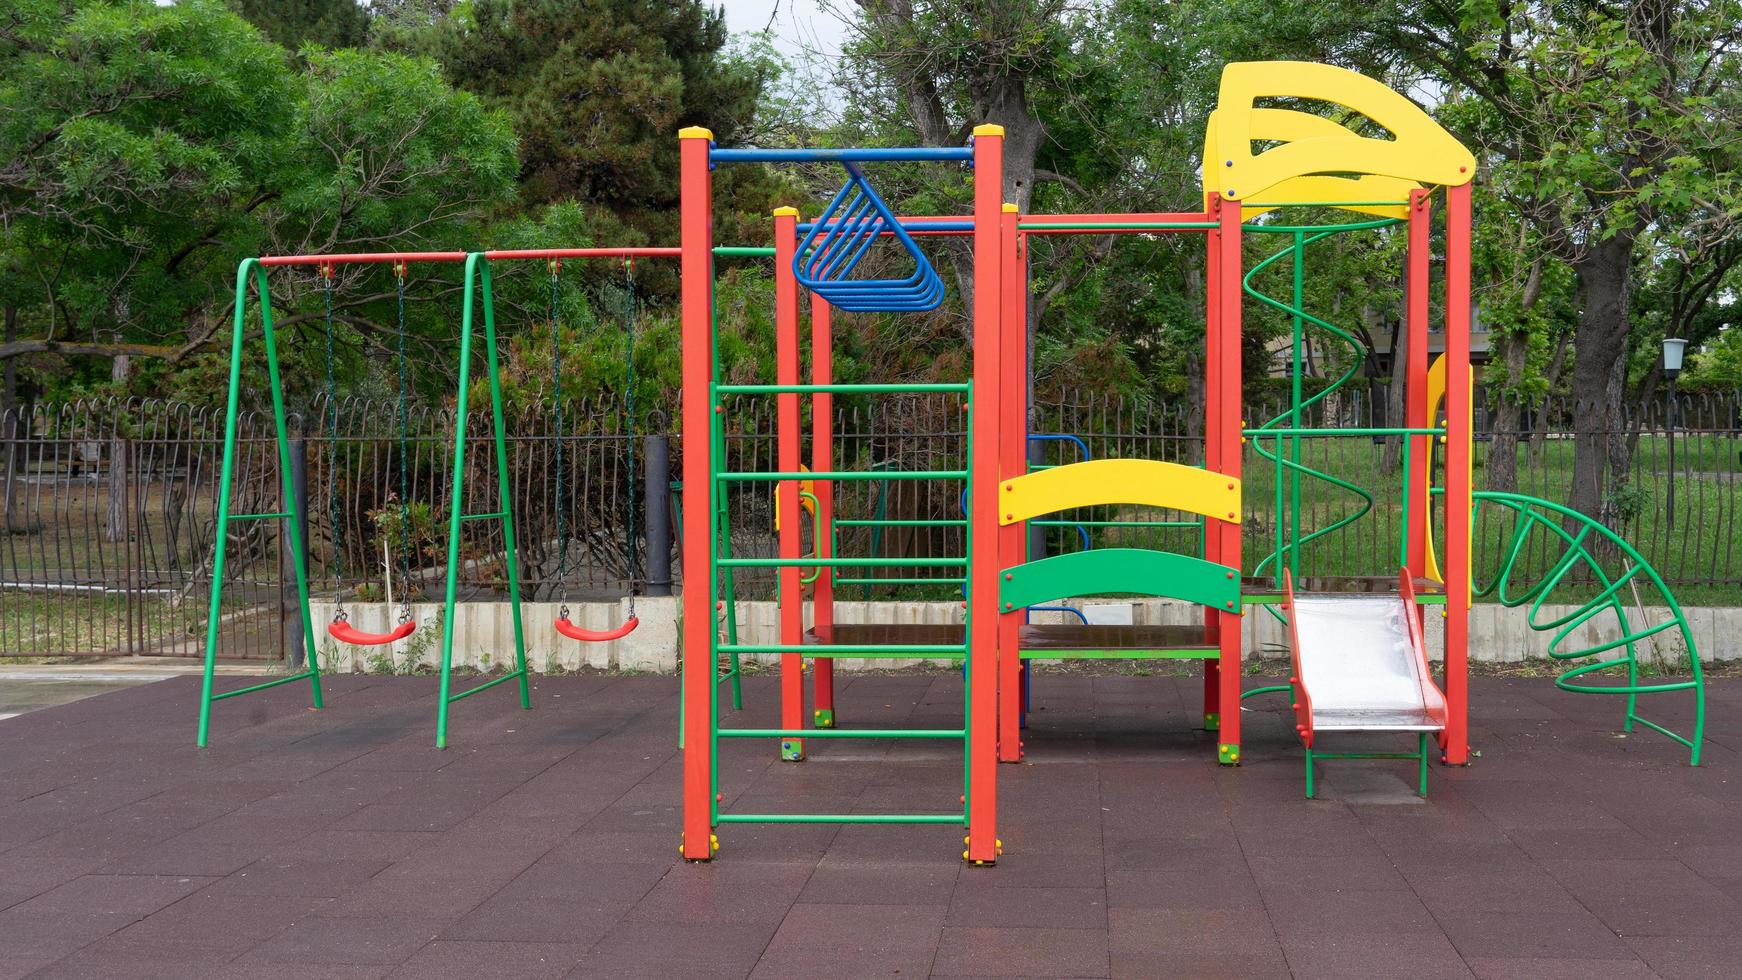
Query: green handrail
x=1530, y=513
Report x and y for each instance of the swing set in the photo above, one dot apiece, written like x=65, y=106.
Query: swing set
x=477, y=294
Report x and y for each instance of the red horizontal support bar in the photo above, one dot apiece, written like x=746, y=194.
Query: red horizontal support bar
x=1145, y=217
x=650, y=252
x=362, y=257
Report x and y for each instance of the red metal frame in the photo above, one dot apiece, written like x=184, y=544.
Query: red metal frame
x=1012, y=451
x=1417, y=259
x=786, y=491
x=1212, y=454
x=983, y=517
x=823, y=461
x=697, y=235
x=379, y=258
x=1457, y=547
x=1227, y=406
x=1300, y=700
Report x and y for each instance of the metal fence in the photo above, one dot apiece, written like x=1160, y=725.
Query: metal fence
x=108, y=506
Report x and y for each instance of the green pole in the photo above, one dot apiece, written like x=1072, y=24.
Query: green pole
x=456, y=503
x=1296, y=368
x=225, y=479
x=511, y=554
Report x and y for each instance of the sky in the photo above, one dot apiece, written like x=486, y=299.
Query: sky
x=801, y=27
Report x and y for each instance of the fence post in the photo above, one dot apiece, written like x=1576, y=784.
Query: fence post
x=289, y=608
x=656, y=492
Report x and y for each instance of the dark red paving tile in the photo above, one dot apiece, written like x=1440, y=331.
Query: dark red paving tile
x=1144, y=936
x=496, y=960
x=723, y=893
x=980, y=951
x=1680, y=958
x=1559, y=969
x=674, y=951
x=1062, y=908
x=326, y=940
x=1136, y=888
x=862, y=927
x=870, y=884
x=1524, y=933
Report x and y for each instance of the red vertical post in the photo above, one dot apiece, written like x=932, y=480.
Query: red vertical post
x=982, y=572
x=823, y=461
x=1012, y=461
x=1415, y=319
x=1228, y=412
x=786, y=439
x=1212, y=457
x=696, y=232
x=1457, y=546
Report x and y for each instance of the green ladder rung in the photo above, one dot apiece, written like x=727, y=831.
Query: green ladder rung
x=844, y=650
x=493, y=515
x=256, y=517
x=932, y=580
x=305, y=675
x=909, y=818
x=842, y=733
x=486, y=685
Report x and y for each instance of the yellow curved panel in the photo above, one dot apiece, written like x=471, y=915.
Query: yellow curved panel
x=1145, y=482
x=1436, y=393
x=1287, y=126
x=1420, y=149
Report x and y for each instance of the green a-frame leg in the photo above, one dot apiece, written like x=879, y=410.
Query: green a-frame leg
x=478, y=281
x=226, y=476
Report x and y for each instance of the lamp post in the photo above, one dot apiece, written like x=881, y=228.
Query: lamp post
x=1673, y=349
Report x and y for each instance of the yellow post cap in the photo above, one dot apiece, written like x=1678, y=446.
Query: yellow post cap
x=988, y=129
x=786, y=212
x=1009, y=208
x=695, y=133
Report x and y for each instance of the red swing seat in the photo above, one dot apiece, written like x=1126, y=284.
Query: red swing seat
x=344, y=632
x=574, y=632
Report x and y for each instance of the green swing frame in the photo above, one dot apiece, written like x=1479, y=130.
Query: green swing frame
x=477, y=286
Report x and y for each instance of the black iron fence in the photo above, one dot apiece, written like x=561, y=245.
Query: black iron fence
x=108, y=507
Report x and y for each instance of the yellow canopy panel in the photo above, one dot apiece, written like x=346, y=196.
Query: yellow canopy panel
x=1419, y=151
x=1144, y=482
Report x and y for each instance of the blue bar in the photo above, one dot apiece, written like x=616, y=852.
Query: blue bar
x=910, y=226
x=859, y=153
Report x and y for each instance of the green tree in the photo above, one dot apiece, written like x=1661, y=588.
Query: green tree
x=1609, y=128
x=597, y=92
x=294, y=23
x=150, y=148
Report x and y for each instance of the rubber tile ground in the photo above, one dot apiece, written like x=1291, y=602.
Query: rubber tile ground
x=342, y=844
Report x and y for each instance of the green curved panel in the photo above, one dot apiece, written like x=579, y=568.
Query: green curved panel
x=1103, y=570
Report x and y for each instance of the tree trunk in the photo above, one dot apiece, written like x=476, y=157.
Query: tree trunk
x=1556, y=365
x=1599, y=374
x=1396, y=398
x=1506, y=412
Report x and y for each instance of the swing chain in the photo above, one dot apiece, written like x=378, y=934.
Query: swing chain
x=325, y=270
x=399, y=271
x=556, y=402
x=629, y=419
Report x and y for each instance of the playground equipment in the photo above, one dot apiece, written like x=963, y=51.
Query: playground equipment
x=477, y=295
x=340, y=628
x=563, y=625
x=836, y=242
x=1360, y=665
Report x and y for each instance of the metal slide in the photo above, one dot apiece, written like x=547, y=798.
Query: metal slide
x=1360, y=665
